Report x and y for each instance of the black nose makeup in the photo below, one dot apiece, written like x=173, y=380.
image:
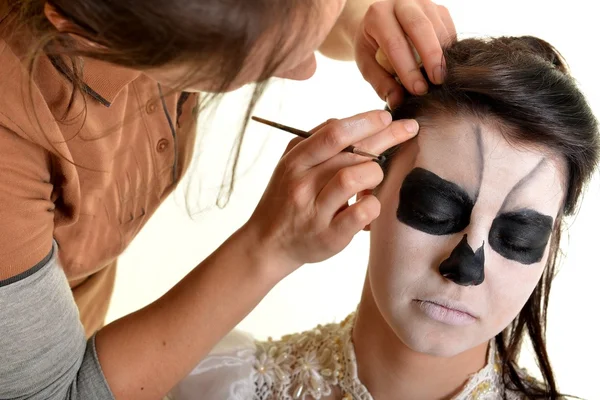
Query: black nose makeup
x=464, y=267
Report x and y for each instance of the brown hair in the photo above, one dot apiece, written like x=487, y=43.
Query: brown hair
x=523, y=84
x=216, y=36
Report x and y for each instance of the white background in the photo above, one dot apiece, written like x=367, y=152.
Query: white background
x=172, y=243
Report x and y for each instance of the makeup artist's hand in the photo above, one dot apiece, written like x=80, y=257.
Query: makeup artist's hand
x=303, y=216
x=391, y=26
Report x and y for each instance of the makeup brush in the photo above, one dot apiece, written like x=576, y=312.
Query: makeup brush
x=304, y=134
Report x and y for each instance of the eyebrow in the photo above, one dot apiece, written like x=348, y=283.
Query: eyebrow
x=522, y=182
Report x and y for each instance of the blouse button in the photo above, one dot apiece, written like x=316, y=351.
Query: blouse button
x=151, y=107
x=162, y=145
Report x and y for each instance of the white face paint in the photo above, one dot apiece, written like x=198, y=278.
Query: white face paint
x=431, y=313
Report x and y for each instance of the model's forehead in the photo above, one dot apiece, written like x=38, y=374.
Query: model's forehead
x=477, y=157
x=453, y=150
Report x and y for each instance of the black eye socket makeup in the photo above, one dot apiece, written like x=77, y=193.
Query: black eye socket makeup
x=433, y=205
x=521, y=236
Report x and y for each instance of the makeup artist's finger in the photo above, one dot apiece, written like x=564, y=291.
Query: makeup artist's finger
x=432, y=11
x=334, y=137
x=354, y=218
x=420, y=28
x=382, y=81
x=382, y=25
x=297, y=140
x=293, y=143
x=396, y=133
x=448, y=23
x=316, y=128
x=345, y=184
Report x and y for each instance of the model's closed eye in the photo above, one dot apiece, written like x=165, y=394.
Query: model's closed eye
x=433, y=205
x=521, y=236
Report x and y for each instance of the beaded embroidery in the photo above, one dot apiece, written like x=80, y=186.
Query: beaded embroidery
x=309, y=365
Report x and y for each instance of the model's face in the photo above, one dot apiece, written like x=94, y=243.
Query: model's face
x=462, y=238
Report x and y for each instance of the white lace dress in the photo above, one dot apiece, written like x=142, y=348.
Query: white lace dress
x=304, y=366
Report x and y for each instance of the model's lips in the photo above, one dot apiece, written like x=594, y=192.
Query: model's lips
x=446, y=311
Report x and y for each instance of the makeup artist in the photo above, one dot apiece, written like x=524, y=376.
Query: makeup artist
x=97, y=124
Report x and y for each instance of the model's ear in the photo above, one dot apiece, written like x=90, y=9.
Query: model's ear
x=64, y=25
x=359, y=196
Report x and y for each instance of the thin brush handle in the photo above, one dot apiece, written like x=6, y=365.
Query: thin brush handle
x=304, y=134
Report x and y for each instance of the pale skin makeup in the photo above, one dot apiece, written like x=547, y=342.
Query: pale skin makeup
x=497, y=200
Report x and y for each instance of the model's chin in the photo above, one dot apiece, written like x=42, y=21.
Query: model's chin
x=425, y=335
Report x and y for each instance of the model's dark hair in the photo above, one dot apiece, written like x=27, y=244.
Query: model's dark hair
x=217, y=37
x=521, y=84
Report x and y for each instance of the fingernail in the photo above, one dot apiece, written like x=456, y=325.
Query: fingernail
x=439, y=74
x=386, y=117
x=411, y=126
x=420, y=87
x=393, y=100
x=389, y=103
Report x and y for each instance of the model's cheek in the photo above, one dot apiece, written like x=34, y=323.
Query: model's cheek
x=509, y=285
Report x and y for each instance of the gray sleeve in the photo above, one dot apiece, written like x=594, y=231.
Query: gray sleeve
x=43, y=350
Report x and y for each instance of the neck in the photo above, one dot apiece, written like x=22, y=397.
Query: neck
x=391, y=370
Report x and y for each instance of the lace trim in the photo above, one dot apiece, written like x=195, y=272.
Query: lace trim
x=310, y=365
x=299, y=365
